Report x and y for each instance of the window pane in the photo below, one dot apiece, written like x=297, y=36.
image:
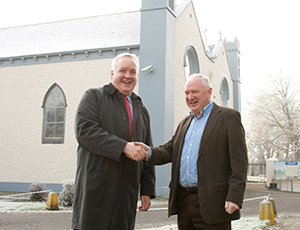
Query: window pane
x=59, y=130
x=60, y=115
x=187, y=67
x=60, y=101
x=49, y=115
x=49, y=130
x=50, y=101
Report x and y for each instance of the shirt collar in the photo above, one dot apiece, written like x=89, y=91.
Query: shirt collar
x=128, y=98
x=207, y=109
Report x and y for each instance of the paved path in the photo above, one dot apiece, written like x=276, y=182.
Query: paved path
x=287, y=205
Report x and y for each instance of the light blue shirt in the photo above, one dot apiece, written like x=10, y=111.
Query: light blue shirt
x=189, y=156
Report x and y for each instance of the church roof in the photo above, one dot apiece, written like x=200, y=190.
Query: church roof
x=114, y=30
x=90, y=33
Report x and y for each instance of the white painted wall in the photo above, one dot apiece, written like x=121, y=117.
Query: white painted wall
x=24, y=158
x=188, y=33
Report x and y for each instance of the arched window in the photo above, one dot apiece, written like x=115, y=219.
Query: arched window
x=224, y=91
x=54, y=111
x=190, y=61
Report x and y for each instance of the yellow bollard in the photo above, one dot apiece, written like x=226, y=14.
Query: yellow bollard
x=273, y=205
x=266, y=212
x=52, y=201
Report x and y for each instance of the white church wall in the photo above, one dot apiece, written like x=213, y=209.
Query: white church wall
x=26, y=159
x=188, y=33
x=221, y=69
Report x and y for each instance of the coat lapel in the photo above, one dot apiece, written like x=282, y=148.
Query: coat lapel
x=210, y=125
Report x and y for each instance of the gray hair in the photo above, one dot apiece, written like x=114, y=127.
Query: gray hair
x=205, y=80
x=129, y=55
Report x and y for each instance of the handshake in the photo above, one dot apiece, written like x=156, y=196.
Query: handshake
x=136, y=151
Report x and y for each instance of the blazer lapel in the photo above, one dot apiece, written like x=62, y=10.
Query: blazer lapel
x=211, y=123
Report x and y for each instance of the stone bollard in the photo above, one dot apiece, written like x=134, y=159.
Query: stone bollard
x=266, y=212
x=273, y=205
x=52, y=201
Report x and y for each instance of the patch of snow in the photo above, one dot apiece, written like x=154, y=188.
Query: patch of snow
x=21, y=206
x=245, y=223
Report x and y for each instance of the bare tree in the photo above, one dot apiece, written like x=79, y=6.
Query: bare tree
x=273, y=120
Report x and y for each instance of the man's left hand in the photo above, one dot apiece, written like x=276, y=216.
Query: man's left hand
x=145, y=203
x=231, y=207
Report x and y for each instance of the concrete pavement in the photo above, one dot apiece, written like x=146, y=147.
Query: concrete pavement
x=287, y=205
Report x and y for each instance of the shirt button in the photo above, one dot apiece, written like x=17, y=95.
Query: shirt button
x=187, y=171
x=188, y=157
x=190, y=144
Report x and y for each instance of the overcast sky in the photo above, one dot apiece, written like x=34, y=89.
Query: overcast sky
x=268, y=30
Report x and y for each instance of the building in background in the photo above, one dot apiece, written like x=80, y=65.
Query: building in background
x=46, y=68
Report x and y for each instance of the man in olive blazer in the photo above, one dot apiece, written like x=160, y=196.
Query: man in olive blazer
x=221, y=161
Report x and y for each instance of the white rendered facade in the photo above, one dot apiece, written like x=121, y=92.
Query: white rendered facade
x=27, y=75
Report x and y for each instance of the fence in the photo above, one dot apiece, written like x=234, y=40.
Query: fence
x=257, y=173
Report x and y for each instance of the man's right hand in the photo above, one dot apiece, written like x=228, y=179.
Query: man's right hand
x=146, y=148
x=135, y=151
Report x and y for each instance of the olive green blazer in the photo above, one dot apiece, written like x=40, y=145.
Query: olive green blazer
x=222, y=164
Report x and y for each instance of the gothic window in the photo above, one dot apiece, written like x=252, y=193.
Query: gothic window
x=224, y=91
x=54, y=111
x=190, y=62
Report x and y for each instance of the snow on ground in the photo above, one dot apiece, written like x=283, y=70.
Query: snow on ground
x=21, y=206
x=245, y=223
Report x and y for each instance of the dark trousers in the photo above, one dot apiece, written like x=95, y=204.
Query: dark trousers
x=189, y=215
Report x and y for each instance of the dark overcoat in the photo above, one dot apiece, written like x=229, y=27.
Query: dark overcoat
x=107, y=182
x=221, y=166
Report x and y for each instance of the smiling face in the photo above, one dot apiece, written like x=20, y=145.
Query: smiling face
x=196, y=95
x=124, y=76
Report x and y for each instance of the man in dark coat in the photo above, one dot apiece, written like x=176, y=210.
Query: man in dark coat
x=107, y=181
x=209, y=162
